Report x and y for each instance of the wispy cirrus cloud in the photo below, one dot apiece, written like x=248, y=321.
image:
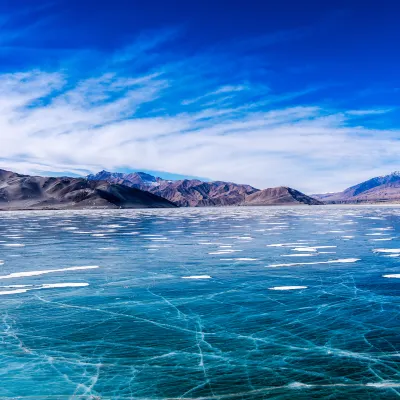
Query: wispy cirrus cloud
x=370, y=111
x=215, y=93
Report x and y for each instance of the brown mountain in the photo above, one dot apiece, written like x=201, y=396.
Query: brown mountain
x=184, y=193
x=139, y=180
x=196, y=193
x=35, y=192
x=376, y=190
x=279, y=196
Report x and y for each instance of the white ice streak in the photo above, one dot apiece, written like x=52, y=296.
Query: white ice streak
x=27, y=288
x=285, y=244
x=299, y=255
x=312, y=249
x=287, y=287
x=15, y=286
x=63, y=285
x=151, y=235
x=306, y=249
x=340, y=260
x=386, y=250
x=16, y=291
x=227, y=251
x=395, y=276
x=47, y=271
x=13, y=236
x=197, y=277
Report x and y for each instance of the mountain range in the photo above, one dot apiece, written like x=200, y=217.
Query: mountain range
x=142, y=190
x=197, y=193
x=382, y=189
x=19, y=192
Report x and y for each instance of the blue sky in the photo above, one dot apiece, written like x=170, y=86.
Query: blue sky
x=304, y=94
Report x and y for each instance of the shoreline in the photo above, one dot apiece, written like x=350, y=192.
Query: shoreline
x=328, y=205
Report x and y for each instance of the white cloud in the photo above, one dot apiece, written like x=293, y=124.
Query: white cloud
x=222, y=89
x=97, y=124
x=370, y=112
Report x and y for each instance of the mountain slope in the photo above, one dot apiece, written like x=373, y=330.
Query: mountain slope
x=186, y=192
x=380, y=189
x=35, y=192
x=139, y=180
x=196, y=193
x=279, y=196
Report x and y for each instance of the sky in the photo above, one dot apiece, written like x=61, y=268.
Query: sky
x=296, y=93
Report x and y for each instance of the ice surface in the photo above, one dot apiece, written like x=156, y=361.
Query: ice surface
x=145, y=312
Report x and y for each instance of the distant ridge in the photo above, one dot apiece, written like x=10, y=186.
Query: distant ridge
x=279, y=196
x=381, y=189
x=139, y=180
x=197, y=193
x=22, y=192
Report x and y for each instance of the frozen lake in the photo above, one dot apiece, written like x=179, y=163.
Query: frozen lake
x=217, y=303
